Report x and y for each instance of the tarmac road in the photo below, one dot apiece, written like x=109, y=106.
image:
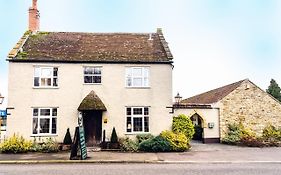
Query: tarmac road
x=143, y=169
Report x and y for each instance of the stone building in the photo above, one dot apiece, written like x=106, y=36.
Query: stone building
x=242, y=101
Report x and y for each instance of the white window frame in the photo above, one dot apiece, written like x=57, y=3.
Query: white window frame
x=129, y=76
x=50, y=117
x=92, y=75
x=137, y=116
x=52, y=77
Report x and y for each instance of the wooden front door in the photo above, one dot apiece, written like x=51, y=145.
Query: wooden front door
x=92, y=121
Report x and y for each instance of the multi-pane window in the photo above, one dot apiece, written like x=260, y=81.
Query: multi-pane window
x=44, y=121
x=137, y=119
x=92, y=75
x=45, y=77
x=137, y=77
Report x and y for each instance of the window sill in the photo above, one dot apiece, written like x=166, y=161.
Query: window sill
x=127, y=87
x=92, y=83
x=136, y=133
x=44, y=135
x=45, y=87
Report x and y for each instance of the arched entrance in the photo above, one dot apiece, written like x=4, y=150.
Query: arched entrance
x=198, y=123
x=92, y=108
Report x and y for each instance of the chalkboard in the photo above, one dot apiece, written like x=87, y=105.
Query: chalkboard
x=82, y=143
x=79, y=145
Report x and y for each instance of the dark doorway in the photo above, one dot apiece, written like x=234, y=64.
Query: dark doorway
x=198, y=127
x=92, y=121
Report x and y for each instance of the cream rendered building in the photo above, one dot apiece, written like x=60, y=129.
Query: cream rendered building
x=121, y=80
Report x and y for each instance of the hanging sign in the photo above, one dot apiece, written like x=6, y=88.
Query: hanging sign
x=3, y=113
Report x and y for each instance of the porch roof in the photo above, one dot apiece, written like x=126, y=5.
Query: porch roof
x=91, y=102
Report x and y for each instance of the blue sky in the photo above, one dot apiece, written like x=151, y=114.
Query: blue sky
x=214, y=42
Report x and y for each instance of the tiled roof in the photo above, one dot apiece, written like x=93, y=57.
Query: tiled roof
x=212, y=96
x=92, y=47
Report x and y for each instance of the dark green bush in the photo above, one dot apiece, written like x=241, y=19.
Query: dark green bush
x=128, y=144
x=198, y=132
x=67, y=138
x=177, y=141
x=143, y=137
x=156, y=144
x=113, y=138
x=183, y=124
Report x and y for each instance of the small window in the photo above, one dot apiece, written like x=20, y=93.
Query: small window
x=45, y=77
x=92, y=75
x=137, y=119
x=137, y=77
x=44, y=121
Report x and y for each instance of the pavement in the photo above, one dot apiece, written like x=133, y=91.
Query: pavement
x=199, y=153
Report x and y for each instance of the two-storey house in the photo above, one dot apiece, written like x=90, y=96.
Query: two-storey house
x=121, y=80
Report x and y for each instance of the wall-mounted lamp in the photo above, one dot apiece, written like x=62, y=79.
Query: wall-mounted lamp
x=1, y=99
x=211, y=125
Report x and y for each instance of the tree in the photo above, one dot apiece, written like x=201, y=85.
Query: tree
x=274, y=90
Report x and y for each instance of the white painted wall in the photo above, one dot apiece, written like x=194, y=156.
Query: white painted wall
x=209, y=115
x=71, y=91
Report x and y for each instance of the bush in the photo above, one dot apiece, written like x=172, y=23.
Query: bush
x=156, y=144
x=49, y=146
x=198, y=132
x=178, y=141
x=234, y=134
x=183, y=124
x=271, y=133
x=113, y=138
x=143, y=137
x=251, y=141
x=128, y=144
x=67, y=138
x=15, y=144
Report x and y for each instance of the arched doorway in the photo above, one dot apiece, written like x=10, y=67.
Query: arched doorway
x=198, y=127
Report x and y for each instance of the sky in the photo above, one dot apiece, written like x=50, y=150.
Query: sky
x=214, y=42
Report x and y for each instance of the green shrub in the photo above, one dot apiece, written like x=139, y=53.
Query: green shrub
x=183, y=124
x=67, y=138
x=15, y=144
x=48, y=146
x=233, y=135
x=143, y=137
x=178, y=141
x=128, y=144
x=271, y=133
x=113, y=138
x=156, y=144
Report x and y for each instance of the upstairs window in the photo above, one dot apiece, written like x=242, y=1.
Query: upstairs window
x=92, y=75
x=137, y=77
x=45, y=77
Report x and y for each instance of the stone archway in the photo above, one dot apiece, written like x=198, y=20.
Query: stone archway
x=198, y=123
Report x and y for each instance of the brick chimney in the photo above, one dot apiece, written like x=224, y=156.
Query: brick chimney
x=34, y=17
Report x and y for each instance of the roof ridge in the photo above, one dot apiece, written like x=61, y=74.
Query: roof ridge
x=101, y=33
x=214, y=92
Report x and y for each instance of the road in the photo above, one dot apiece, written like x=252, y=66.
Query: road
x=143, y=169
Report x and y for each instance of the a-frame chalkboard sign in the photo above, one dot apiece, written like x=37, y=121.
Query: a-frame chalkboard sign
x=78, y=148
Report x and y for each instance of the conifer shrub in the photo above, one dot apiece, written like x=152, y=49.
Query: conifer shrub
x=67, y=138
x=114, y=137
x=183, y=124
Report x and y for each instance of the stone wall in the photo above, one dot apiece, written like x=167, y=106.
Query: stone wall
x=251, y=106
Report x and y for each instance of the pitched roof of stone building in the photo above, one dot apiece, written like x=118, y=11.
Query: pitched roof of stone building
x=212, y=96
x=92, y=102
x=92, y=47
